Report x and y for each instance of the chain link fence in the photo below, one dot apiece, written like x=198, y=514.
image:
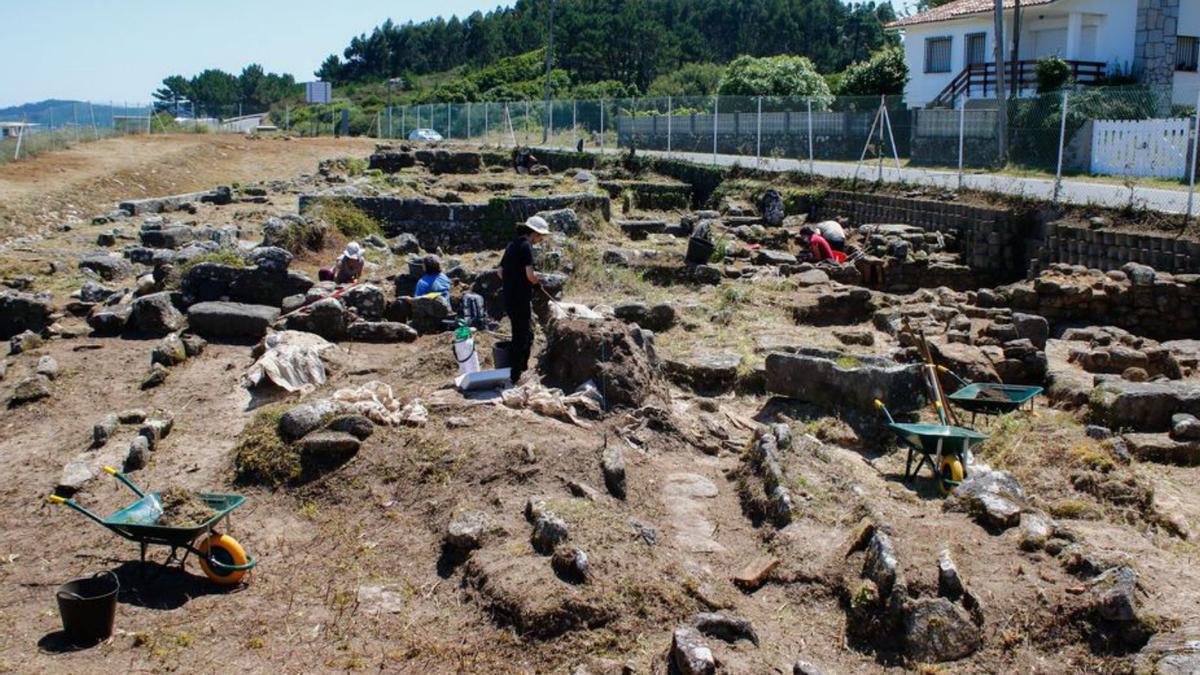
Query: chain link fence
x=1119, y=147
x=61, y=126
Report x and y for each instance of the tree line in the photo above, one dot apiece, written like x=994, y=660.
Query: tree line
x=216, y=93
x=631, y=42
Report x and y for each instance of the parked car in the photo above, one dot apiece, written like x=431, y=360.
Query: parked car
x=427, y=135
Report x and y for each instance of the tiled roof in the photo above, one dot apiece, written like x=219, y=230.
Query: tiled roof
x=959, y=9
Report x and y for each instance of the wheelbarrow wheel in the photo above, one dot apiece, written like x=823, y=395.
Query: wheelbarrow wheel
x=224, y=549
x=950, y=474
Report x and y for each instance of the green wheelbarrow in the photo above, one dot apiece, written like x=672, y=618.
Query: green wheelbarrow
x=222, y=558
x=989, y=398
x=944, y=448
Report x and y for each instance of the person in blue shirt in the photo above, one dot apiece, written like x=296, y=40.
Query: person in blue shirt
x=433, y=281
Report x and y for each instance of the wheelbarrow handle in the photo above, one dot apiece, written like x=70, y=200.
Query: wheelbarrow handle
x=953, y=374
x=879, y=404
x=124, y=479
x=55, y=499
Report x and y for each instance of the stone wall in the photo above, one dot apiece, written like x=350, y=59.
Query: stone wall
x=457, y=228
x=1110, y=250
x=991, y=240
x=1137, y=298
x=1154, y=46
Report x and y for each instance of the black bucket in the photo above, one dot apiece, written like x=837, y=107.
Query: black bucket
x=699, y=251
x=501, y=354
x=88, y=607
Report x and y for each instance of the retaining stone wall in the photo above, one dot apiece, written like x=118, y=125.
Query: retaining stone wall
x=991, y=240
x=457, y=228
x=1110, y=250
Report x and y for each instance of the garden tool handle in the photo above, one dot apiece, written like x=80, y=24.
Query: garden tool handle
x=55, y=499
x=121, y=477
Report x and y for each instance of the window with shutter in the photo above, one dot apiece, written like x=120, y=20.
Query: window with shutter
x=937, y=55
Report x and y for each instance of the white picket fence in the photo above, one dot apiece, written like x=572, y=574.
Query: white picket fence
x=1144, y=148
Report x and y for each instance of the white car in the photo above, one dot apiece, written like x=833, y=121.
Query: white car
x=427, y=135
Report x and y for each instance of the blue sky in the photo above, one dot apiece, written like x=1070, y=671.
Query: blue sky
x=119, y=50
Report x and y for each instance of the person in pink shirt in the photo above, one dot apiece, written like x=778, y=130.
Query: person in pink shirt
x=817, y=246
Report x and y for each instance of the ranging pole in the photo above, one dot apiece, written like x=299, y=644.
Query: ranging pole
x=1195, y=151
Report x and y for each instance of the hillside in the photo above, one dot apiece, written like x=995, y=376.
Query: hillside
x=57, y=112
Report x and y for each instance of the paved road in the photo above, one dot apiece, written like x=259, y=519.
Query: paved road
x=1074, y=191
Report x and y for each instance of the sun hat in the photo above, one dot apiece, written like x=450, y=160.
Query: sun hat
x=538, y=224
x=353, y=251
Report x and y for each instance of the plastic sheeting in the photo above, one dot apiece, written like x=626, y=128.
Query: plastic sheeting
x=375, y=401
x=292, y=362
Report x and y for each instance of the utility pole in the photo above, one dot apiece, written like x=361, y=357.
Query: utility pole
x=549, y=65
x=1016, y=45
x=1001, y=90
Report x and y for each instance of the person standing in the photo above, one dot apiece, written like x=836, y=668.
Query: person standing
x=518, y=280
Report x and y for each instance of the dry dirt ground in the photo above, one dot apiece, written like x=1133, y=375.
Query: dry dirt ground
x=352, y=574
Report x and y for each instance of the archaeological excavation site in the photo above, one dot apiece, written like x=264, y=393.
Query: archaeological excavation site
x=770, y=423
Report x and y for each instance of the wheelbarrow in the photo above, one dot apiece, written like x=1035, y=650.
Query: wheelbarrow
x=221, y=557
x=988, y=398
x=946, y=449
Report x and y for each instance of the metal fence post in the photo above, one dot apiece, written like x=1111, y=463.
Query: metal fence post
x=602, y=126
x=758, y=133
x=1062, y=142
x=670, y=114
x=485, y=121
x=812, y=168
x=550, y=129
x=403, y=120
x=574, y=123
x=1192, y=168
x=527, y=123
x=716, y=116
x=468, y=120
x=962, y=128
x=449, y=122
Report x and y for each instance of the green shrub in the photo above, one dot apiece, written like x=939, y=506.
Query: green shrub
x=347, y=218
x=1053, y=74
x=886, y=72
x=261, y=456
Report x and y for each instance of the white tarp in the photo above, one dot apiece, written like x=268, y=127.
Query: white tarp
x=292, y=362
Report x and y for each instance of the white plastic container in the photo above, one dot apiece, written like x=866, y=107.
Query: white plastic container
x=467, y=357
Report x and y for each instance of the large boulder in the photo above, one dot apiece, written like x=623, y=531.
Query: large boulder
x=706, y=374
x=251, y=285
x=20, y=312
x=106, y=266
x=382, y=332
x=936, y=630
x=834, y=379
x=994, y=499
x=431, y=315
x=231, y=319
x=109, y=320
x=327, y=318
x=155, y=315
x=1143, y=406
x=612, y=354
x=366, y=300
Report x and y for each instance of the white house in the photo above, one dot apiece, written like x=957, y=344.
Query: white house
x=950, y=50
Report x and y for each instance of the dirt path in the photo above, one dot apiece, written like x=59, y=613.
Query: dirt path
x=91, y=178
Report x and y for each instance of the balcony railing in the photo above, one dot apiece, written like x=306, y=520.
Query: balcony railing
x=980, y=80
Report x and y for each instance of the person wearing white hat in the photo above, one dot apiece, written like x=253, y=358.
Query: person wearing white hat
x=348, y=268
x=518, y=280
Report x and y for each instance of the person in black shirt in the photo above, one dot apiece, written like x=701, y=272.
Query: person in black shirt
x=519, y=280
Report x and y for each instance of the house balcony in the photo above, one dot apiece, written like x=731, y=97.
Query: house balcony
x=979, y=80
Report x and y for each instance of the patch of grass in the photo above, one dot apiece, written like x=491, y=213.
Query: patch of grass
x=347, y=218
x=720, y=249
x=848, y=362
x=261, y=456
x=1076, y=509
x=219, y=257
x=299, y=238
